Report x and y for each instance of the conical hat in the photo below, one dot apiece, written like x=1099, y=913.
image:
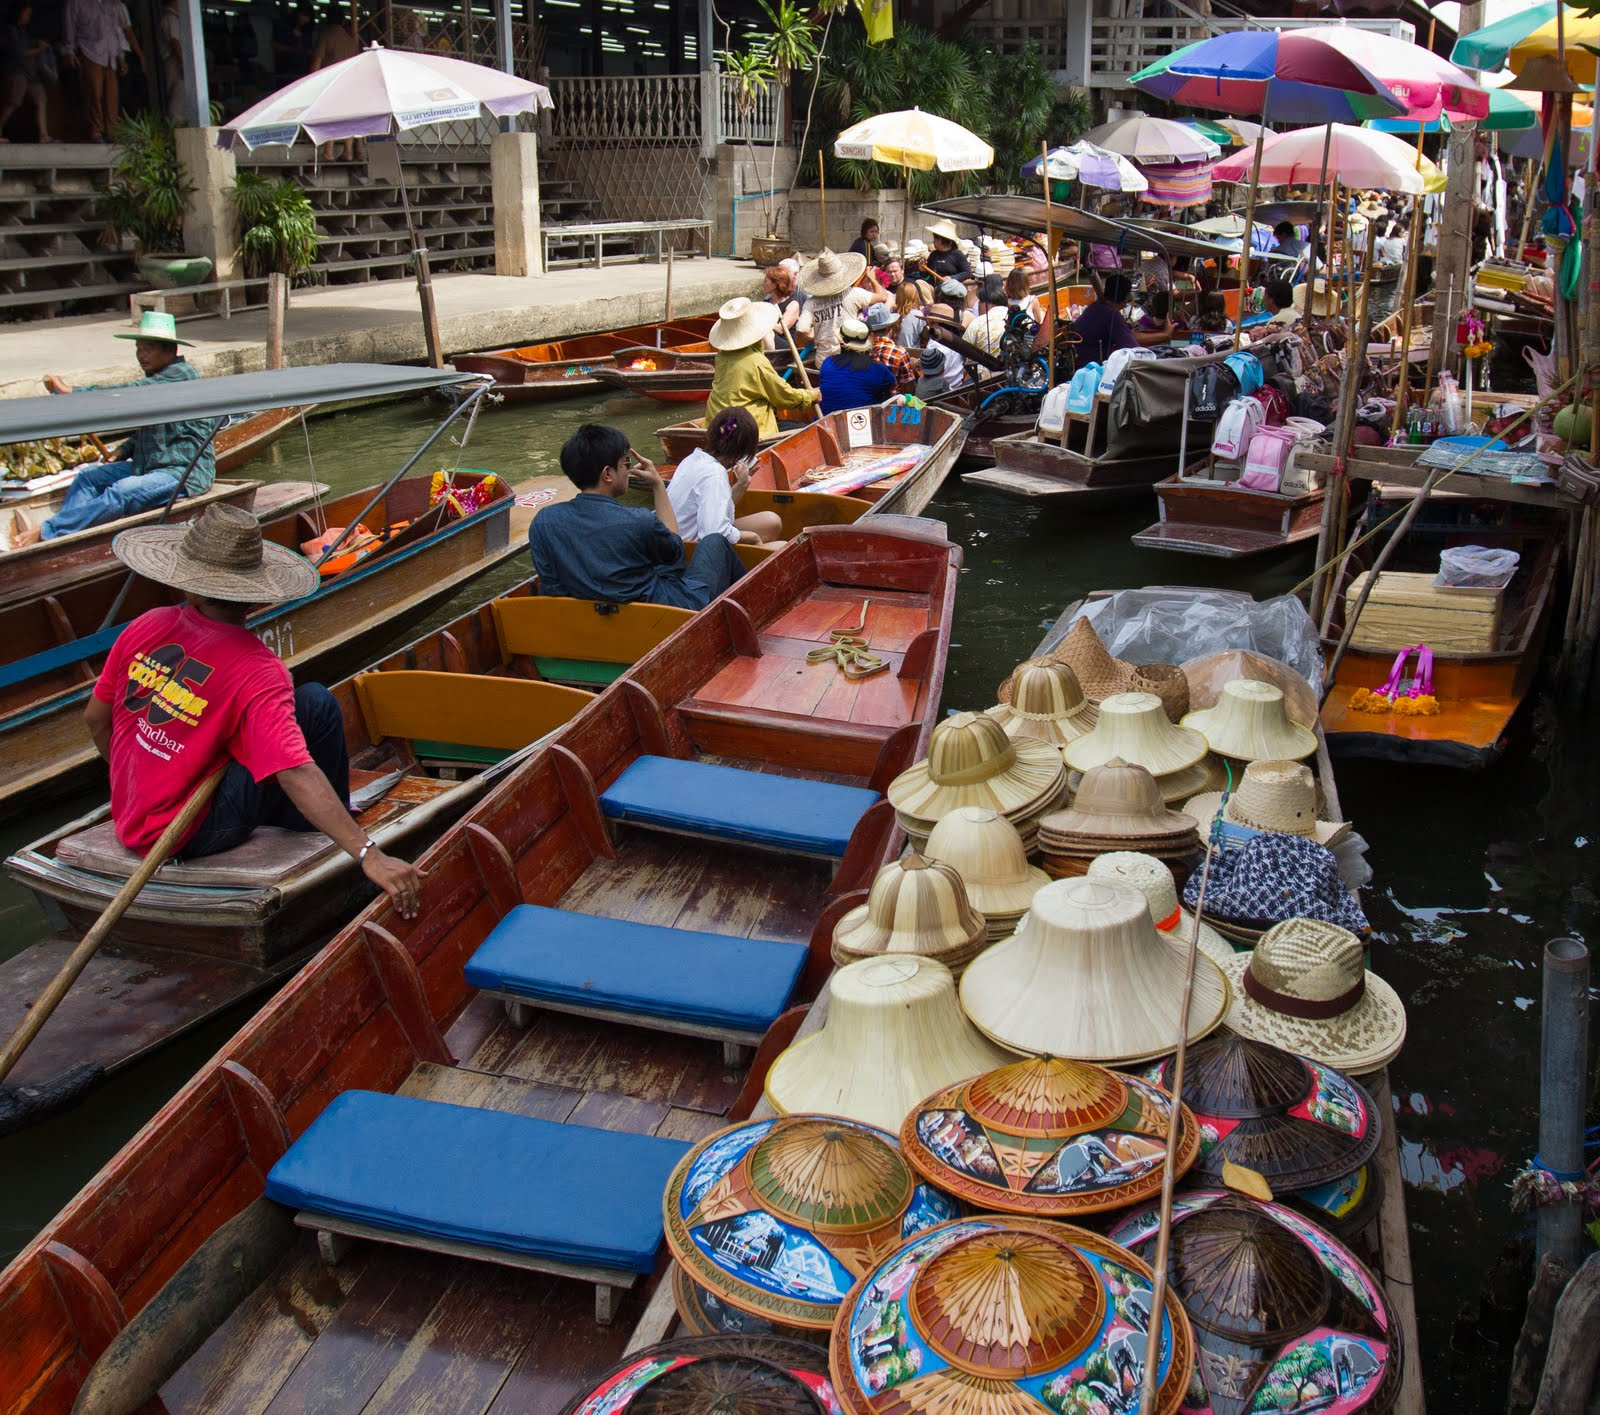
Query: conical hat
x=1099, y=674
x=1134, y=726
x=987, y=852
x=1046, y=702
x=1088, y=976
x=914, y=906
x=971, y=762
x=1276, y=796
x=1154, y=880
x=1250, y=723
x=895, y=1032
x=1167, y=682
x=1117, y=799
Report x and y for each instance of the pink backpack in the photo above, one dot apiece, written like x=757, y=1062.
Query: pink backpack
x=1268, y=455
x=1235, y=427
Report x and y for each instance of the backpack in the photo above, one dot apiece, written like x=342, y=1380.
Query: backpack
x=1082, y=389
x=1273, y=403
x=1265, y=461
x=1211, y=389
x=1119, y=360
x=1235, y=428
x=1247, y=369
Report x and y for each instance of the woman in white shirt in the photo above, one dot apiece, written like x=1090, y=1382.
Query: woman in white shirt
x=704, y=502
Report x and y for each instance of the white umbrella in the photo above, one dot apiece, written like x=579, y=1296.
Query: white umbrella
x=1147, y=139
x=1093, y=166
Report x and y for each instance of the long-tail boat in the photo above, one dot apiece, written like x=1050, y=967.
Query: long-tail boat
x=681, y=375
x=247, y=437
x=540, y=373
x=705, y=820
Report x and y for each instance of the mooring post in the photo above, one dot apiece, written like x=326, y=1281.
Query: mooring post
x=1563, y=1057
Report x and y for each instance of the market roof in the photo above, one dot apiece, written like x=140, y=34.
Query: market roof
x=137, y=405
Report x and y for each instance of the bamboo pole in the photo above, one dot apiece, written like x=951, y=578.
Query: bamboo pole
x=788, y=337
x=668, y=313
x=822, y=200
x=1527, y=201
x=1049, y=258
x=1413, y=250
x=277, y=308
x=1249, y=236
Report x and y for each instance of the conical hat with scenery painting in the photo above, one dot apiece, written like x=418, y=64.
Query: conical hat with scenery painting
x=736, y=1375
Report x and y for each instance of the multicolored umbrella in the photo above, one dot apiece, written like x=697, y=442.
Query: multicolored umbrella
x=1151, y=140
x=1360, y=156
x=1086, y=163
x=1530, y=34
x=1428, y=85
x=1510, y=110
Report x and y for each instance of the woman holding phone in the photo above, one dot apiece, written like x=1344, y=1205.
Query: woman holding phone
x=711, y=481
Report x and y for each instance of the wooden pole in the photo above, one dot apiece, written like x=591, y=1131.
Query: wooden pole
x=1050, y=260
x=277, y=309
x=79, y=958
x=668, y=314
x=1453, y=255
x=1527, y=200
x=1244, y=251
x=822, y=198
x=788, y=337
x=1413, y=254
x=1563, y=1070
x=1324, y=242
x=905, y=210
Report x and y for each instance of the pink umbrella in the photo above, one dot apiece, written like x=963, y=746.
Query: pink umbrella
x=1427, y=84
x=1361, y=157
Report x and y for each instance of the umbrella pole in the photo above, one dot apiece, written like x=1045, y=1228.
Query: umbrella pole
x=1410, y=298
x=1247, y=240
x=1527, y=207
x=822, y=201
x=1054, y=314
x=1321, y=245
x=419, y=252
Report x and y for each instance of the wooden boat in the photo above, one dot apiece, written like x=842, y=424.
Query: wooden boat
x=1030, y=468
x=681, y=375
x=539, y=373
x=386, y=1008
x=247, y=437
x=1202, y=515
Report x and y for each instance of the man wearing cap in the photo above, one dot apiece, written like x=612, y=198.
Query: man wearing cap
x=150, y=464
x=743, y=376
x=187, y=688
x=902, y=363
x=946, y=260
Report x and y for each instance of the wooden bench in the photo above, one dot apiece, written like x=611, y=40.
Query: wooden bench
x=581, y=641
x=461, y=715
x=223, y=289
x=597, y=231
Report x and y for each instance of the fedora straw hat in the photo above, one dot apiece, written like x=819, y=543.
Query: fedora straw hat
x=1046, y=702
x=1167, y=682
x=1119, y=799
x=1087, y=975
x=156, y=324
x=915, y=905
x=1134, y=727
x=1250, y=723
x=741, y=323
x=1209, y=675
x=221, y=555
x=1325, y=302
x=895, y=1032
x=830, y=273
x=1303, y=988
x=971, y=762
x=1275, y=796
x=946, y=230
x=1154, y=880
x=985, y=849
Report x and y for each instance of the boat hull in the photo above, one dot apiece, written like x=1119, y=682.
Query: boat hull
x=1033, y=470
x=543, y=373
x=1227, y=521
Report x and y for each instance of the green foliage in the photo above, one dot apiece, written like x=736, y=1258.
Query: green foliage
x=746, y=76
x=790, y=46
x=149, y=188
x=277, y=226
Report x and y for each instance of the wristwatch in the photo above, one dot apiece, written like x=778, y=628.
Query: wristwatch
x=361, y=856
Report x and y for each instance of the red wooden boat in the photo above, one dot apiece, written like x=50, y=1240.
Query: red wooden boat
x=172, y=1272
x=539, y=373
x=681, y=375
x=1203, y=516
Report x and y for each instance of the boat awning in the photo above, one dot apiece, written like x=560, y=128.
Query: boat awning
x=145, y=405
x=1168, y=242
x=1022, y=216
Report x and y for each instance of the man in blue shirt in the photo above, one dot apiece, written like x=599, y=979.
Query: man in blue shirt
x=593, y=547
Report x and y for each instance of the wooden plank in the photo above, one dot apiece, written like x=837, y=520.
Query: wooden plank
x=625, y=1113
x=691, y=1125
x=1395, y=1236
x=570, y=1352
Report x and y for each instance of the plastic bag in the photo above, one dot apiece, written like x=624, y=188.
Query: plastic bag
x=1475, y=567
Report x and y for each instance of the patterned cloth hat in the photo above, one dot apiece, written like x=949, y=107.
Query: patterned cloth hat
x=1276, y=877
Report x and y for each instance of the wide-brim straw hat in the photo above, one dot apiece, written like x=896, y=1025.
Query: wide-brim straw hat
x=946, y=230
x=1134, y=727
x=1154, y=880
x=1324, y=302
x=741, y=323
x=915, y=905
x=986, y=850
x=832, y=273
x=1167, y=682
x=971, y=762
x=1087, y=975
x=220, y=555
x=1119, y=799
x=1047, y=703
x=1276, y=796
x=156, y=325
x=1372, y=210
x=1250, y=722
x=1210, y=674
x=895, y=1033
x=1303, y=988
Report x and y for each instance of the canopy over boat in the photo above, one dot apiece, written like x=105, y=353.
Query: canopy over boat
x=1022, y=216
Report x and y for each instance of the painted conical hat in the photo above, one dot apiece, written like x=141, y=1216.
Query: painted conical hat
x=895, y=1031
x=1134, y=726
x=1154, y=880
x=915, y=906
x=1046, y=703
x=971, y=762
x=711, y=1375
x=1250, y=723
x=984, y=848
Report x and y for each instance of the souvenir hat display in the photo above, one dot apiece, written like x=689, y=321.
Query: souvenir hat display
x=1285, y=1316
x=1087, y=975
x=1250, y=723
x=1208, y=675
x=1098, y=674
x=777, y=1218
x=1135, y=727
x=1279, y=797
x=915, y=906
x=728, y=1375
x=1154, y=880
x=1167, y=682
x=1005, y=1316
x=1047, y=703
x=1046, y=1137
x=986, y=851
x=971, y=762
x=895, y=1031
x=1117, y=807
x=1272, y=878
x=1303, y=988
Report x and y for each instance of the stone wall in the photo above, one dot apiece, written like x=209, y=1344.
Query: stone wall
x=738, y=175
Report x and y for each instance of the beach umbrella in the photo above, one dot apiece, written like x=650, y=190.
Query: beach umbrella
x=1419, y=78
x=1361, y=157
x=1086, y=163
x=1510, y=110
x=1147, y=139
x=1232, y=225
x=1534, y=33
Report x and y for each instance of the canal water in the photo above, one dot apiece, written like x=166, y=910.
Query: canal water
x=1473, y=872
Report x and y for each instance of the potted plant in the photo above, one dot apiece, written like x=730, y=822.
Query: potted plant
x=746, y=78
x=277, y=225
x=146, y=200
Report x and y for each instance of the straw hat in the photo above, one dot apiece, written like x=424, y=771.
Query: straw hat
x=221, y=555
x=1099, y=674
x=1154, y=880
x=1209, y=675
x=895, y=1032
x=831, y=274
x=1373, y=210
x=855, y=336
x=1134, y=726
x=915, y=249
x=1088, y=976
x=945, y=230
x=1303, y=988
x=1167, y=682
x=985, y=849
x=971, y=762
x=741, y=323
x=1250, y=723
x=1277, y=796
x=915, y=906
x=1325, y=302
x=1047, y=703
x=1119, y=799
x=156, y=325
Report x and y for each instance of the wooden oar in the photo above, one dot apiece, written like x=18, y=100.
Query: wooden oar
x=50, y=999
x=788, y=338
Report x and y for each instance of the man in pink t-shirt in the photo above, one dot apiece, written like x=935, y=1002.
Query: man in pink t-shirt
x=187, y=687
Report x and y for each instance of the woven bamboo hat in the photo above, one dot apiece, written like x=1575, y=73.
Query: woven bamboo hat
x=985, y=849
x=1167, y=682
x=831, y=273
x=1303, y=988
x=1277, y=796
x=895, y=1032
x=1087, y=976
x=1121, y=800
x=221, y=555
x=944, y=229
x=1210, y=674
x=1250, y=723
x=1046, y=702
x=1154, y=880
x=1099, y=674
x=1134, y=726
x=915, y=906
x=1325, y=302
x=741, y=323
x=971, y=762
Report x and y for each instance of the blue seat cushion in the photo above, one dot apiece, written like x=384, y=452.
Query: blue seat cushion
x=551, y=955
x=701, y=798
x=482, y=1177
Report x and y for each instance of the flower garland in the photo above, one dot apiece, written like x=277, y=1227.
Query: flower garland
x=1472, y=335
x=463, y=500
x=1416, y=701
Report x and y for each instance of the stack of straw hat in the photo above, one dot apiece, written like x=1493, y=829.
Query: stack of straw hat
x=1045, y=702
x=1136, y=728
x=1274, y=796
x=915, y=906
x=1208, y=675
x=971, y=762
x=986, y=851
x=1098, y=673
x=1118, y=807
x=1154, y=880
x=999, y=254
x=1251, y=723
x=1088, y=976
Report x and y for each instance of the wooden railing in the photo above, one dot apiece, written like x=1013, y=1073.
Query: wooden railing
x=762, y=123
x=633, y=109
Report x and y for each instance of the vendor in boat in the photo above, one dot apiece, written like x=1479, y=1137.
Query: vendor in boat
x=1278, y=298
x=149, y=466
x=743, y=376
x=188, y=687
x=946, y=261
x=838, y=287
x=1288, y=239
x=852, y=378
x=593, y=547
x=1102, y=327
x=710, y=482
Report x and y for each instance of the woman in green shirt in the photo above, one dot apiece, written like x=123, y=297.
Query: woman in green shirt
x=744, y=377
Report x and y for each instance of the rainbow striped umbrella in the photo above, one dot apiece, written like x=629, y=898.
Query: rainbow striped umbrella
x=1517, y=40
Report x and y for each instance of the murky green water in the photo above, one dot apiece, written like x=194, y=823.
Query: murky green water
x=1473, y=872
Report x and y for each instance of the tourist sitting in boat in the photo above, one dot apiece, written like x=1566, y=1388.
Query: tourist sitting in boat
x=931, y=377
x=593, y=547
x=953, y=360
x=953, y=301
x=743, y=376
x=1154, y=326
x=1020, y=296
x=188, y=688
x=704, y=501
x=946, y=262
x=888, y=351
x=150, y=465
x=1212, y=315
x=852, y=378
x=1102, y=327
x=1288, y=238
x=910, y=326
x=1154, y=272
x=838, y=287
x=985, y=320
x=778, y=288
x=866, y=238
x=1278, y=298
